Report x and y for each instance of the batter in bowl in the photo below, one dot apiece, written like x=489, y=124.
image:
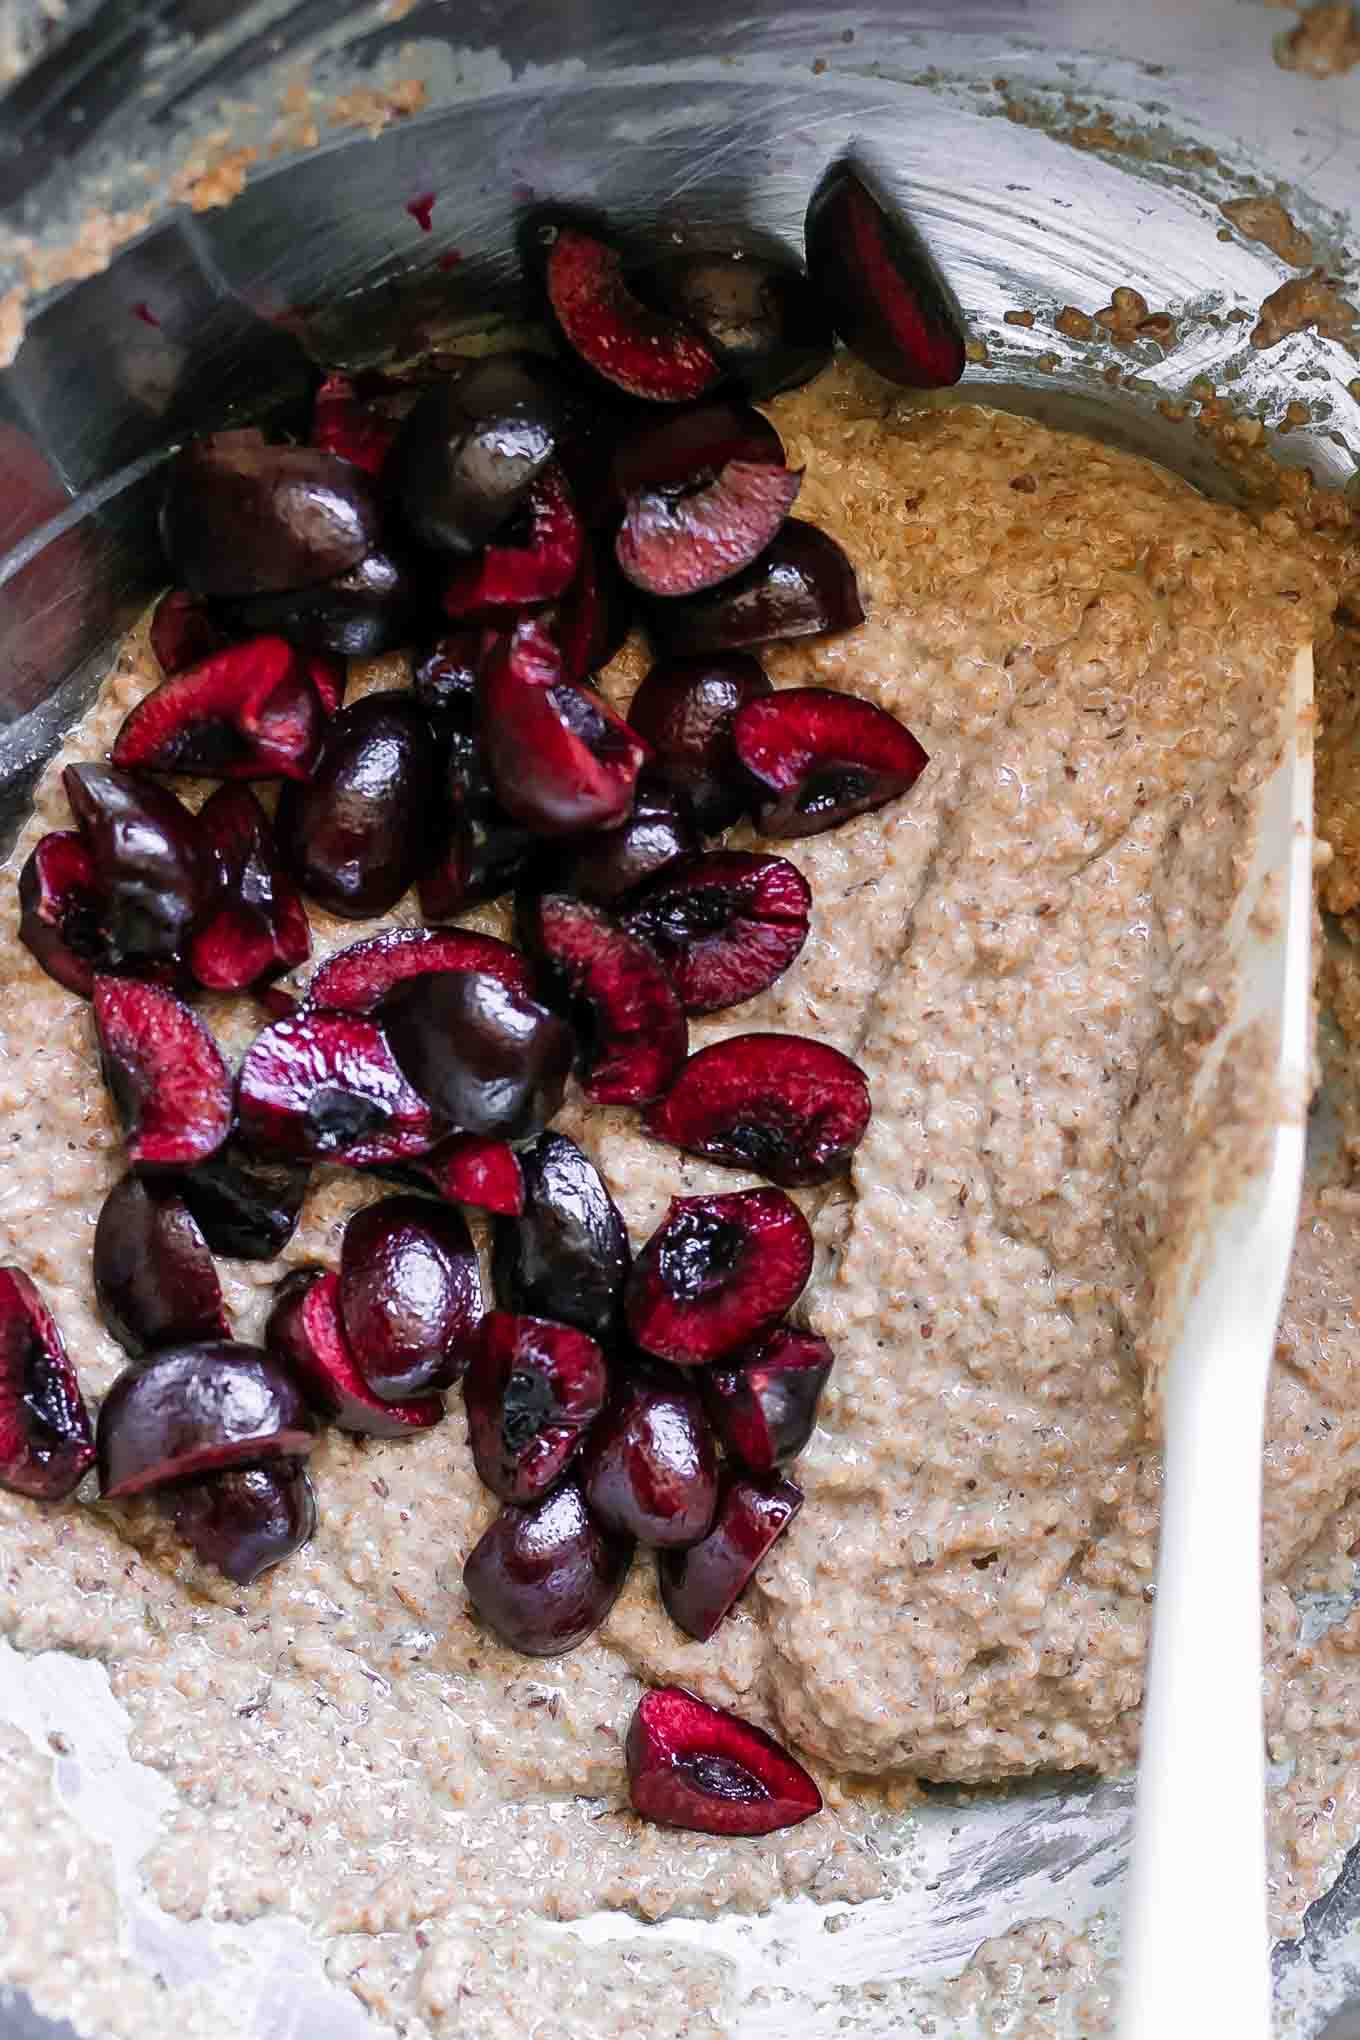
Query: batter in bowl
x=1025, y=957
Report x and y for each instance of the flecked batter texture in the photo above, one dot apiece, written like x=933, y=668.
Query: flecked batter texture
x=1025, y=955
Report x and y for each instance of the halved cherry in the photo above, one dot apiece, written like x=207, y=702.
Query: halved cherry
x=467, y=1168
x=148, y=858
x=613, y=332
x=610, y=866
x=410, y=1294
x=197, y=1409
x=46, y=1439
x=358, y=979
x=543, y=1578
x=678, y=541
x=532, y=1390
x=819, y=757
x=472, y=449
x=254, y=925
x=61, y=911
x=370, y=608
x=791, y=1109
x=244, y=518
x=567, y=1255
x=650, y=1466
x=702, y=1583
x=184, y=631
x=802, y=585
x=249, y=712
x=245, y=1520
x=716, y=1273
x=877, y=277
x=615, y=984
x=725, y=925
x=532, y=560
x=165, y=1074
x=692, y=445
x=342, y=423
x=762, y=318
x=357, y=834
x=764, y=1402
x=154, y=1277
x=489, y=1060
x=306, y=1336
x=685, y=709
x=698, y=1767
x=326, y=1086
x=246, y=1206
x=561, y=761
x=591, y=621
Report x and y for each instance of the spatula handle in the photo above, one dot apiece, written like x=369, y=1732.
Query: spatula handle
x=1196, y=1951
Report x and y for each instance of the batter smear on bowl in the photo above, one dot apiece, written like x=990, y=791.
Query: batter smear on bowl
x=1019, y=946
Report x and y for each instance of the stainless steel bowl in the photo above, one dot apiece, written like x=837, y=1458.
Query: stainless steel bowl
x=689, y=122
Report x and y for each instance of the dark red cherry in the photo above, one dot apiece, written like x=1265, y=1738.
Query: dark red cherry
x=543, y=1578
x=802, y=585
x=410, y=1294
x=607, y=868
x=148, y=865
x=702, y=1583
x=357, y=834
x=184, y=631
x=326, y=1086
x=817, y=757
x=165, y=1074
x=358, y=979
x=370, y=608
x=650, y=1467
x=61, y=911
x=198, y=1409
x=473, y=447
x=306, y=1336
x=678, y=448
x=154, y=1277
x=244, y=518
x=872, y=269
x=790, y=1109
x=245, y=1206
x=253, y=925
x=560, y=760
x=566, y=1256
x=717, y=1273
x=762, y=318
x=637, y=350
x=698, y=1767
x=633, y=1022
x=489, y=1060
x=678, y=541
x=764, y=1401
x=249, y=712
x=532, y=1390
x=245, y=1520
x=533, y=559
x=725, y=925
x=46, y=1440
x=685, y=709
x=467, y=1168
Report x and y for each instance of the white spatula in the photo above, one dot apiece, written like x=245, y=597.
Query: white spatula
x=1196, y=1948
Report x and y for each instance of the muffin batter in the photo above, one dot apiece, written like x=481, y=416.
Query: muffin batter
x=1024, y=955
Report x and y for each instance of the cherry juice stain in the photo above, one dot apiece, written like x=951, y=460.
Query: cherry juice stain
x=420, y=210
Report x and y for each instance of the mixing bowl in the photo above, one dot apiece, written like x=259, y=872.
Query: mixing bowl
x=1052, y=150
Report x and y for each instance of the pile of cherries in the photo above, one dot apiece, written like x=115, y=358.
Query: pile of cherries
x=511, y=517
